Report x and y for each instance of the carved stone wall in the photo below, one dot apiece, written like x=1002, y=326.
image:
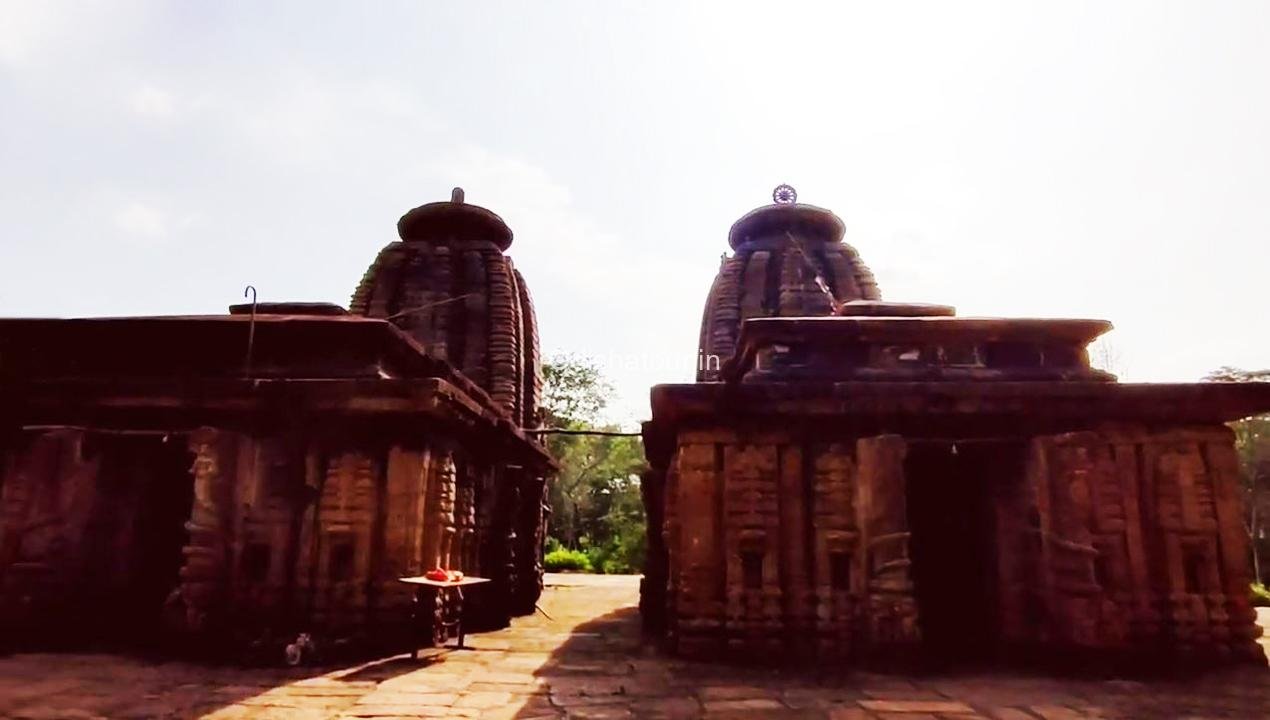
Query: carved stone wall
x=203, y=591
x=268, y=501
x=890, y=618
x=1120, y=541
x=405, y=524
x=488, y=608
x=275, y=535
x=531, y=525
x=439, y=532
x=781, y=548
x=465, y=555
x=652, y=586
x=499, y=499
x=346, y=515
x=694, y=526
x=751, y=534
x=1136, y=545
x=836, y=549
x=46, y=498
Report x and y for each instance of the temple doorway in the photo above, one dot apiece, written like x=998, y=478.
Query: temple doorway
x=953, y=547
x=136, y=534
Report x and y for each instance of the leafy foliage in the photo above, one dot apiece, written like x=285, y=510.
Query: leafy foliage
x=574, y=391
x=1260, y=595
x=1231, y=374
x=1252, y=441
x=564, y=560
x=595, y=500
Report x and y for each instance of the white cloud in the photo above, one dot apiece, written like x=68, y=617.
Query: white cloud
x=25, y=27
x=151, y=102
x=1021, y=162
x=42, y=34
x=141, y=220
x=302, y=119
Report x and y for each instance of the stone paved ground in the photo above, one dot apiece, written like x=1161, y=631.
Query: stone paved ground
x=587, y=662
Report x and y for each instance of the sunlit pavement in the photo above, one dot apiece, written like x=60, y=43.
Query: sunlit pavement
x=582, y=659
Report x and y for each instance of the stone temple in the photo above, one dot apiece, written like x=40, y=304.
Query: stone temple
x=849, y=479
x=238, y=479
x=866, y=481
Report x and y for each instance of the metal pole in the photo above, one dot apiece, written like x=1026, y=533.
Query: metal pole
x=251, y=329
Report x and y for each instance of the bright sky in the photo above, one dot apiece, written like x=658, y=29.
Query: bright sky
x=1048, y=159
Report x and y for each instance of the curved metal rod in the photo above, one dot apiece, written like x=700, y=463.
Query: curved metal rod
x=421, y=308
x=819, y=277
x=251, y=329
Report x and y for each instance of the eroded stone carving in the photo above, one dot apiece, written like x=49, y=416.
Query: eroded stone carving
x=221, y=498
x=874, y=481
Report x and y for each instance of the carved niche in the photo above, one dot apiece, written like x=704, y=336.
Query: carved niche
x=751, y=522
x=839, y=581
x=890, y=612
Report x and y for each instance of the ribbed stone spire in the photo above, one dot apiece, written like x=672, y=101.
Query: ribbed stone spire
x=449, y=285
x=783, y=254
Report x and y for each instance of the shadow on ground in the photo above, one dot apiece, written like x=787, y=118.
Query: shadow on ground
x=583, y=659
x=605, y=669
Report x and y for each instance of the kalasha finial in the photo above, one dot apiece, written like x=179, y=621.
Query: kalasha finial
x=784, y=195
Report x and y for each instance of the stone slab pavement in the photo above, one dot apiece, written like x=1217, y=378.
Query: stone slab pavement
x=584, y=660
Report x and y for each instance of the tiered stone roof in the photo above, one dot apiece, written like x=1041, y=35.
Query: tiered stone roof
x=450, y=286
x=780, y=250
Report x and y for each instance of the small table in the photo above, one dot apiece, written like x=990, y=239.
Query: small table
x=424, y=585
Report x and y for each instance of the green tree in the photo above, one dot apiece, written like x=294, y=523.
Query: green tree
x=595, y=499
x=1252, y=441
x=574, y=391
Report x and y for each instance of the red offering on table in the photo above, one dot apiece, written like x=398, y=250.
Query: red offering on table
x=443, y=575
x=438, y=580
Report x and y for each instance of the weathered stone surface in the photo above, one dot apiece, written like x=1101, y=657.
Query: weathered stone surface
x=906, y=487
x=915, y=706
x=449, y=285
x=75, y=686
x=723, y=706
x=250, y=479
x=480, y=700
x=774, y=274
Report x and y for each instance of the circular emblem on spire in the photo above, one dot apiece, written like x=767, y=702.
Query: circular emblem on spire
x=784, y=195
